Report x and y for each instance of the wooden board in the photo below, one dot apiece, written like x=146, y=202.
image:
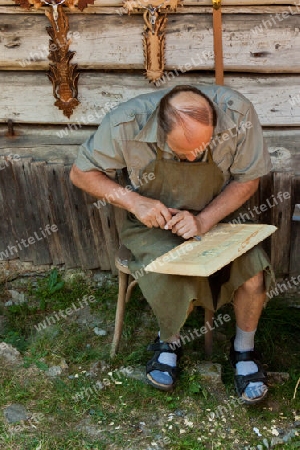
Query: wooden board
x=42, y=143
x=294, y=268
x=218, y=247
x=237, y=3
x=251, y=42
x=27, y=97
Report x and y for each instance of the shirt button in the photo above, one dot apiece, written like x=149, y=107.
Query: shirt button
x=230, y=102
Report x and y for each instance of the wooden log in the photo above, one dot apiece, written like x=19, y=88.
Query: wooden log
x=295, y=232
x=27, y=97
x=262, y=44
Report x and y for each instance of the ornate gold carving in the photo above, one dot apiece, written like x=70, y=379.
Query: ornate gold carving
x=63, y=75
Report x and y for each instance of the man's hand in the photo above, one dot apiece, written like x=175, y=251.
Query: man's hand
x=184, y=224
x=151, y=213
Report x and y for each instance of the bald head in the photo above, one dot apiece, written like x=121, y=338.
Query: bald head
x=187, y=117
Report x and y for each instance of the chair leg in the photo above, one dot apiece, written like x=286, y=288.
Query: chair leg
x=123, y=284
x=208, y=344
x=131, y=283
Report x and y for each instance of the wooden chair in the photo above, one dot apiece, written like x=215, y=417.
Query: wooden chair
x=126, y=284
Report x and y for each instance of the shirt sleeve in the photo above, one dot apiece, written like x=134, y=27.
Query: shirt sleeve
x=251, y=159
x=101, y=151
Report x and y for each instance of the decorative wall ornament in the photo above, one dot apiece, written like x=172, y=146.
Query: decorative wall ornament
x=63, y=75
x=153, y=34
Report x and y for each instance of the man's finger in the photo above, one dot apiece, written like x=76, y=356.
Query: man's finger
x=171, y=223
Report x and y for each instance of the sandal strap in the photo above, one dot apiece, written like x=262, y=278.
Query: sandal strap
x=160, y=347
x=155, y=365
x=245, y=356
x=242, y=381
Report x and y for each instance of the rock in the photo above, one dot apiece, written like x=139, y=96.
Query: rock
x=288, y=436
x=210, y=372
x=15, y=413
x=17, y=297
x=266, y=443
x=54, y=371
x=99, y=332
x=9, y=353
x=136, y=373
x=276, y=441
x=278, y=377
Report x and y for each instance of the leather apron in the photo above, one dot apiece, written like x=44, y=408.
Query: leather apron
x=186, y=186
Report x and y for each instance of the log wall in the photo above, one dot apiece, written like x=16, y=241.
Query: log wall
x=261, y=43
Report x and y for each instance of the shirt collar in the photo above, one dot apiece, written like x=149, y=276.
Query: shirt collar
x=152, y=133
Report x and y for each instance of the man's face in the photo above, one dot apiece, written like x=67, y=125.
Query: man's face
x=188, y=142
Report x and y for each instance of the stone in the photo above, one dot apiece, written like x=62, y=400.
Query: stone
x=136, y=373
x=15, y=413
x=278, y=377
x=54, y=371
x=210, y=371
x=9, y=353
x=99, y=332
x=17, y=297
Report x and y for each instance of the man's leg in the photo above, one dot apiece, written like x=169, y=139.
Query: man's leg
x=248, y=304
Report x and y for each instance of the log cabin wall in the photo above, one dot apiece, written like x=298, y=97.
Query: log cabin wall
x=261, y=43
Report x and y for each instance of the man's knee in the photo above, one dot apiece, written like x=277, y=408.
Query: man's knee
x=255, y=284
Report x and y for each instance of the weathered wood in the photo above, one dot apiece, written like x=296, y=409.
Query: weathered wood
x=43, y=143
x=99, y=43
x=27, y=97
x=188, y=7
x=98, y=235
x=295, y=232
x=201, y=3
x=281, y=217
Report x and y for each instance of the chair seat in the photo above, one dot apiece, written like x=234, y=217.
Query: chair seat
x=122, y=259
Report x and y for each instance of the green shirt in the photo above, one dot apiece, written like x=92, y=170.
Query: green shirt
x=129, y=135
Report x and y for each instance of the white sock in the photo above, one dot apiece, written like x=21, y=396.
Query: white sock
x=244, y=341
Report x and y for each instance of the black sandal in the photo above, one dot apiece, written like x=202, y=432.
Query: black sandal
x=242, y=381
x=160, y=347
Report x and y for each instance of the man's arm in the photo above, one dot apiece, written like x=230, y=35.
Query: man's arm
x=151, y=213
x=234, y=195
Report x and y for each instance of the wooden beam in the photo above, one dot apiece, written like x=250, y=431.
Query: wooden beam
x=251, y=42
x=236, y=3
x=27, y=97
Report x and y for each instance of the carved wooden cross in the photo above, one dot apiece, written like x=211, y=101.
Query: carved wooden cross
x=153, y=34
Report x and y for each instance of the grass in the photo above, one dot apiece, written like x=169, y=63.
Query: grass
x=125, y=413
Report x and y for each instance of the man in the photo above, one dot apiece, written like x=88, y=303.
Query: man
x=194, y=155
